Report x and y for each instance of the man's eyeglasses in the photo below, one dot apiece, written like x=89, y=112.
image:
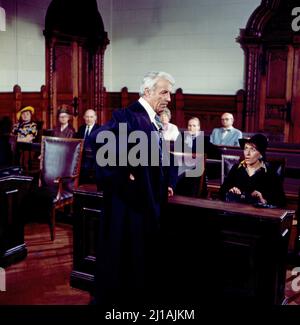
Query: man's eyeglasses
x=225, y=119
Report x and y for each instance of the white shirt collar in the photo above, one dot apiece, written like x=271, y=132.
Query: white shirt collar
x=150, y=111
x=227, y=129
x=89, y=126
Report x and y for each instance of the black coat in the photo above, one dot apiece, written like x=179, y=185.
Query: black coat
x=127, y=260
x=265, y=181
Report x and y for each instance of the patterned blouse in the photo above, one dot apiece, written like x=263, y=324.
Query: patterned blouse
x=24, y=129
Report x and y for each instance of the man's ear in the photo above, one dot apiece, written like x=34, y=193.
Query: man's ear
x=147, y=91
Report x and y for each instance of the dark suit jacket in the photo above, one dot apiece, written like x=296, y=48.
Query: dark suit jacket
x=88, y=160
x=81, y=130
x=88, y=139
x=126, y=258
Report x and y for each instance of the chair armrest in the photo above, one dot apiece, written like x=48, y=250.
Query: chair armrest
x=63, y=178
x=59, y=180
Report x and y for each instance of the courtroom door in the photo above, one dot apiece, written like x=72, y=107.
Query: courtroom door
x=75, y=45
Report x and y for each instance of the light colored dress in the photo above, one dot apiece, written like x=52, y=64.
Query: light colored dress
x=170, y=132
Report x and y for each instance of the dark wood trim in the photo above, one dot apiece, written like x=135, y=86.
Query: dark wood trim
x=14, y=255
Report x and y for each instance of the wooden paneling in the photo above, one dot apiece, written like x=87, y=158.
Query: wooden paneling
x=277, y=69
x=10, y=103
x=271, y=50
x=63, y=60
x=208, y=108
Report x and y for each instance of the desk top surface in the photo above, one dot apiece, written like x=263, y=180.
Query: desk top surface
x=240, y=208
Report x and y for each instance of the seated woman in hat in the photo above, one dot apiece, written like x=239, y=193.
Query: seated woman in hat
x=252, y=180
x=25, y=129
x=63, y=129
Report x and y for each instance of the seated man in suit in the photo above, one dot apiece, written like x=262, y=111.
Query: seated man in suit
x=193, y=142
x=190, y=139
x=90, y=125
x=193, y=132
x=84, y=132
x=226, y=135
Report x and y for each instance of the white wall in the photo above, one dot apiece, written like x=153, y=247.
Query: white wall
x=105, y=9
x=193, y=39
x=22, y=45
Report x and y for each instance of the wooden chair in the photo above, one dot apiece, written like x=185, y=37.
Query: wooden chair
x=59, y=171
x=277, y=164
x=193, y=186
x=227, y=162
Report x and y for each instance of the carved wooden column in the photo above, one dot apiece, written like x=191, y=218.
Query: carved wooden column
x=252, y=86
x=44, y=104
x=18, y=102
x=124, y=97
x=240, y=97
x=295, y=111
x=179, y=105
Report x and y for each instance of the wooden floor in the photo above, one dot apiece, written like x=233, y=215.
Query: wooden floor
x=43, y=277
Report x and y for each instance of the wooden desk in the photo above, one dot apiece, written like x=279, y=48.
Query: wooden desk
x=215, y=251
x=88, y=209
x=12, y=192
x=233, y=250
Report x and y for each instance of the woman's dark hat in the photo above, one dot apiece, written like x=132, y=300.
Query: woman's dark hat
x=63, y=109
x=260, y=142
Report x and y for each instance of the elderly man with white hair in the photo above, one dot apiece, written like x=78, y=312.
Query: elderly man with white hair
x=227, y=135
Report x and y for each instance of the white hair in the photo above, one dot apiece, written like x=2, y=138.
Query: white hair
x=90, y=110
x=151, y=78
x=167, y=112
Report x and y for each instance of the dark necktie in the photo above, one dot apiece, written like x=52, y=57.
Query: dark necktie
x=87, y=132
x=158, y=122
x=160, y=135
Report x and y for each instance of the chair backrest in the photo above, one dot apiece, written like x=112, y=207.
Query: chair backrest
x=227, y=161
x=277, y=164
x=193, y=186
x=60, y=157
